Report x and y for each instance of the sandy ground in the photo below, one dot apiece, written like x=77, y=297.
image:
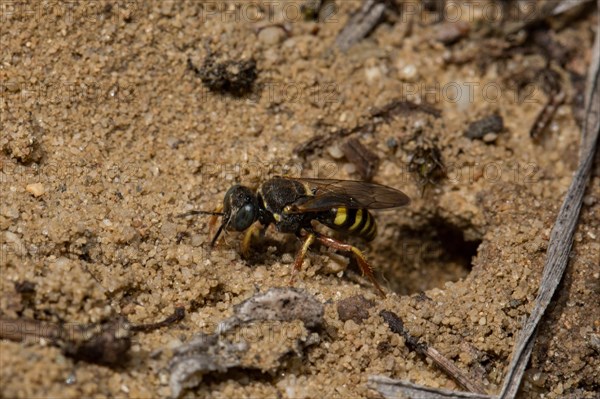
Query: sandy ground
x=107, y=134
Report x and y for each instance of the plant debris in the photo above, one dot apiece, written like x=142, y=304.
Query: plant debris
x=545, y=115
x=361, y=23
x=106, y=343
x=578, y=97
x=318, y=10
x=397, y=326
x=235, y=77
x=404, y=107
x=450, y=32
x=176, y=317
x=547, y=10
x=283, y=304
x=425, y=162
x=390, y=388
x=222, y=351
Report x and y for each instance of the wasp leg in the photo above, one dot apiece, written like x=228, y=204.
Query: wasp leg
x=365, y=268
x=310, y=238
x=252, y=232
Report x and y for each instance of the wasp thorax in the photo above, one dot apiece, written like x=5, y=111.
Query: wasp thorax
x=240, y=208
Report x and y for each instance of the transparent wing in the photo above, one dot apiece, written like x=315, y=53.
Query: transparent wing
x=332, y=193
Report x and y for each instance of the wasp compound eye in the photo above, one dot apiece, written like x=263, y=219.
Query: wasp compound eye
x=244, y=217
x=240, y=208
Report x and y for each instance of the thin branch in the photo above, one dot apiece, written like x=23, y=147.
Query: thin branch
x=175, y=317
x=391, y=388
x=397, y=326
x=361, y=24
x=548, y=9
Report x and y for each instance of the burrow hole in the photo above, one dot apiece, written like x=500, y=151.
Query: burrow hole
x=419, y=259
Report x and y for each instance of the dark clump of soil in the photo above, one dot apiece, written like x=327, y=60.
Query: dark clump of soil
x=234, y=77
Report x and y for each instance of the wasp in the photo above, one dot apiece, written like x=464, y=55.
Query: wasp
x=293, y=205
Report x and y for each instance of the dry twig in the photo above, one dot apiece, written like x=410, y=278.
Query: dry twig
x=548, y=9
x=397, y=326
x=361, y=24
x=104, y=343
x=398, y=389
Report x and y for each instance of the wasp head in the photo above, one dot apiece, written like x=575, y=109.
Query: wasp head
x=240, y=208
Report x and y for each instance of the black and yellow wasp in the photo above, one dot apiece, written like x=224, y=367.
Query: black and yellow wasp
x=292, y=204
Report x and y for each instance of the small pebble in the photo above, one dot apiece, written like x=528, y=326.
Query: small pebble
x=197, y=239
x=351, y=327
x=174, y=343
x=409, y=73
x=392, y=143
x=335, y=152
x=15, y=243
x=71, y=379
x=287, y=258
x=37, y=189
x=589, y=200
x=349, y=168
x=12, y=213
x=484, y=126
x=173, y=142
x=271, y=35
x=355, y=308
x=255, y=130
x=373, y=74
x=451, y=32
x=374, y=67
x=490, y=137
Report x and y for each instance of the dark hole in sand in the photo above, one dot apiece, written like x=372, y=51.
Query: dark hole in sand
x=427, y=257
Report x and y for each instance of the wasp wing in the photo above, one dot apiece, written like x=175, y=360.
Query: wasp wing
x=333, y=193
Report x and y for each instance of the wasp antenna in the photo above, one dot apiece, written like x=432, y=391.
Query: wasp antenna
x=200, y=213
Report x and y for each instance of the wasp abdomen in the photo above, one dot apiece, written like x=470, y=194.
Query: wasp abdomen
x=357, y=222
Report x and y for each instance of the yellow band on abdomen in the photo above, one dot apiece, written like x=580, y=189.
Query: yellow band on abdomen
x=368, y=224
x=357, y=220
x=340, y=216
